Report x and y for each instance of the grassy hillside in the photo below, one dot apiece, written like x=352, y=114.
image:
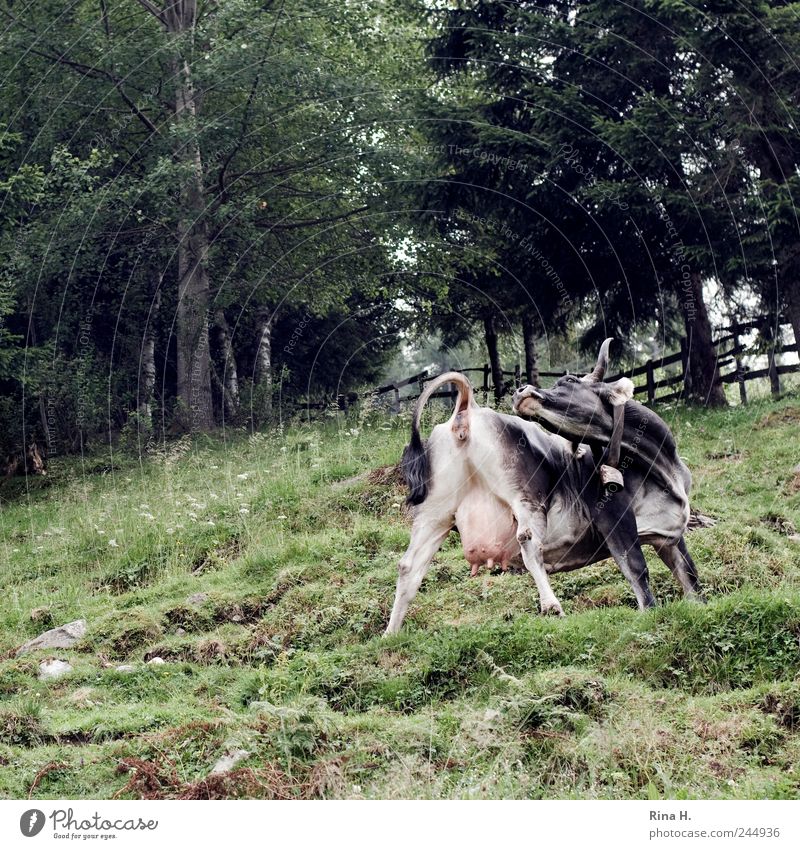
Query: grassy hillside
x=262, y=571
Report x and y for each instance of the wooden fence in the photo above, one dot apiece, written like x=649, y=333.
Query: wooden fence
x=667, y=372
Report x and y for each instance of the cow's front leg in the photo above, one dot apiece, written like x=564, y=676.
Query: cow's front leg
x=682, y=566
x=532, y=525
x=427, y=535
x=615, y=520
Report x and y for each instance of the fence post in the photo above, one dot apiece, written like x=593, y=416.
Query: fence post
x=486, y=372
x=396, y=398
x=687, y=377
x=517, y=376
x=773, y=341
x=739, y=367
x=651, y=382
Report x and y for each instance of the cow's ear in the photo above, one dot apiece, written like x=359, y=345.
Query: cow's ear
x=620, y=391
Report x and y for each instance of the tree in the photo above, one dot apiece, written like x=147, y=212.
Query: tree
x=212, y=174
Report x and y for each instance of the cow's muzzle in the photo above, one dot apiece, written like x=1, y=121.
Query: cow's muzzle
x=527, y=400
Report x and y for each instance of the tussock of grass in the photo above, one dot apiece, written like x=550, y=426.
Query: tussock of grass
x=293, y=541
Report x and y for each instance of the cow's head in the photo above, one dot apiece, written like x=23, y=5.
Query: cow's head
x=579, y=408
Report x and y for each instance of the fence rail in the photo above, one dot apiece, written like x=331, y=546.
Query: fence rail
x=733, y=356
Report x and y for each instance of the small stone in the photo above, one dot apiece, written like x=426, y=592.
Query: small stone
x=82, y=696
x=229, y=760
x=156, y=661
x=41, y=614
x=794, y=537
x=236, y=617
x=197, y=598
x=125, y=667
x=180, y=631
x=50, y=669
x=62, y=637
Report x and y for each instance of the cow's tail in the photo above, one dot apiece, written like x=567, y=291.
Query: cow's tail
x=416, y=462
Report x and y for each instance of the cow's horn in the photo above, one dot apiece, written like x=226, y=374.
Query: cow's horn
x=602, y=363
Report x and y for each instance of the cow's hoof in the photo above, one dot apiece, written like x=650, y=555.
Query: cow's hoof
x=553, y=609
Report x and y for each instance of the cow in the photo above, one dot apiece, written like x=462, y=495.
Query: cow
x=515, y=490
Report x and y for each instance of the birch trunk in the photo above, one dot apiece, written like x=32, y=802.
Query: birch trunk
x=194, y=360
x=264, y=361
x=148, y=368
x=230, y=375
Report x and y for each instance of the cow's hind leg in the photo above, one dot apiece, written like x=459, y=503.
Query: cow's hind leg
x=427, y=536
x=532, y=525
x=682, y=566
x=618, y=528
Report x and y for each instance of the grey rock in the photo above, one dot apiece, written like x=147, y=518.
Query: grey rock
x=180, y=631
x=156, y=661
x=125, y=667
x=197, y=598
x=50, y=669
x=229, y=760
x=62, y=637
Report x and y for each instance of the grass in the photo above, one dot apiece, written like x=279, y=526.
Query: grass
x=262, y=570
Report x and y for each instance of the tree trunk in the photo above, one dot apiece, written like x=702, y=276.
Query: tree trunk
x=195, y=405
x=148, y=367
x=704, y=385
x=793, y=309
x=776, y=162
x=264, y=361
x=230, y=374
x=529, y=342
x=490, y=332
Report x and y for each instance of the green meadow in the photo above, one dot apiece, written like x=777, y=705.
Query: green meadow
x=260, y=569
